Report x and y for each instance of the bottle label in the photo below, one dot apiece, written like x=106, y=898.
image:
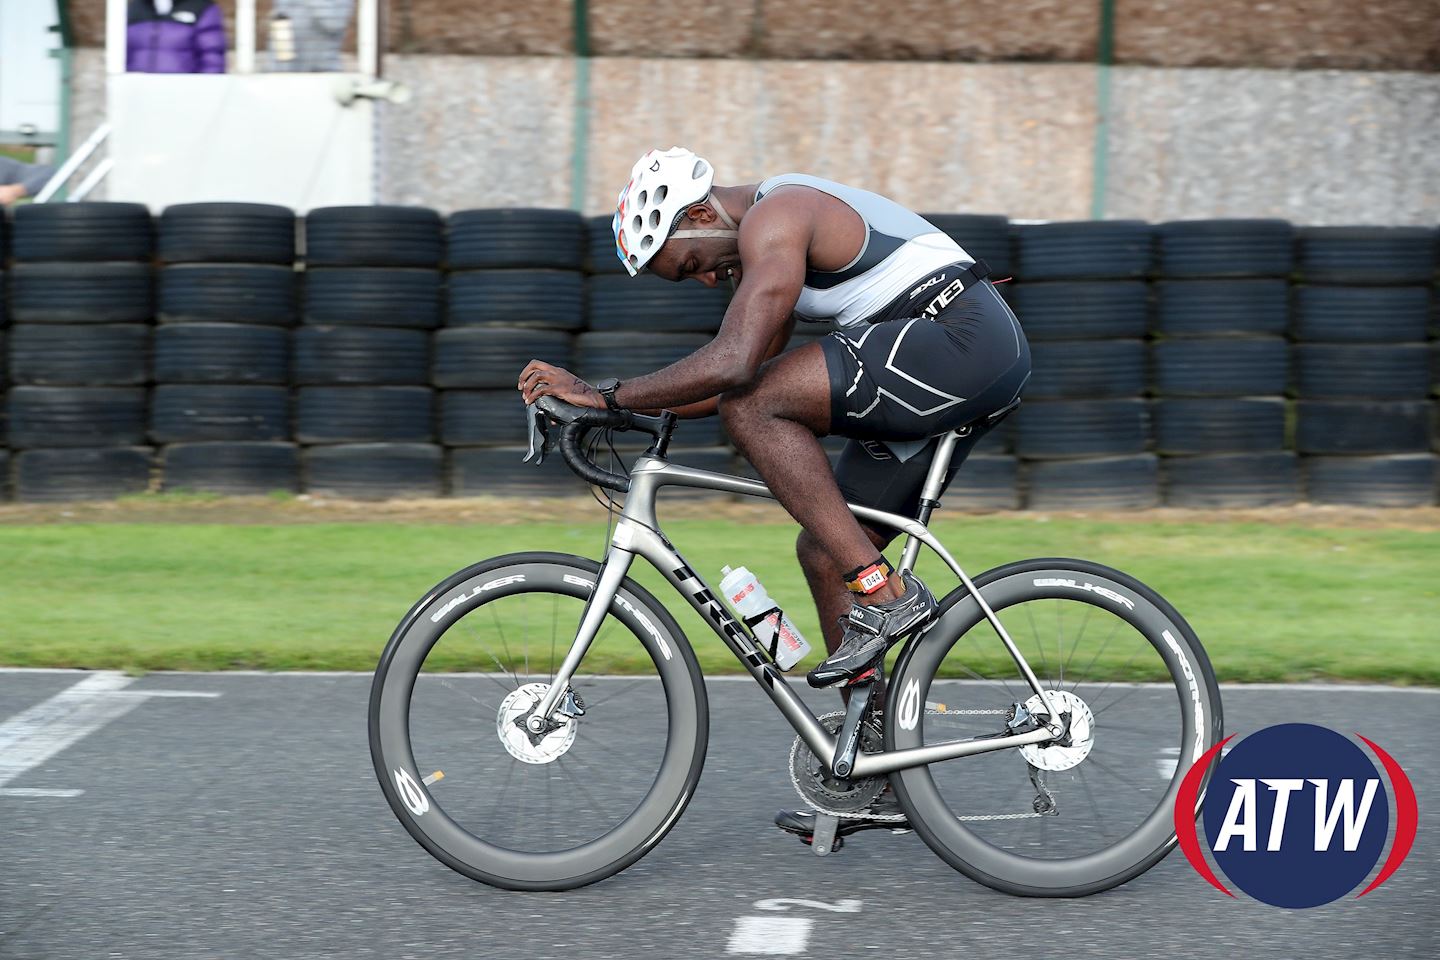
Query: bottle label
x=748, y=589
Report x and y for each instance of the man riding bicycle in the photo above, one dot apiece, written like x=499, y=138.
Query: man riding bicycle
x=922, y=344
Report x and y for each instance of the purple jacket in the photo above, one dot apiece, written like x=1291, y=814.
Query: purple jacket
x=189, y=39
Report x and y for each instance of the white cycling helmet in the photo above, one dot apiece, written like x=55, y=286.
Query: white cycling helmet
x=662, y=187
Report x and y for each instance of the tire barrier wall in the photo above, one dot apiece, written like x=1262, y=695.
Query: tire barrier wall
x=373, y=352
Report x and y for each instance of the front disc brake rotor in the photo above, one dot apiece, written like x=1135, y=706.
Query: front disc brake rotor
x=1081, y=733
x=821, y=790
x=519, y=742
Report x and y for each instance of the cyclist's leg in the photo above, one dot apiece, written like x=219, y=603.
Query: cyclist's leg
x=870, y=475
x=777, y=421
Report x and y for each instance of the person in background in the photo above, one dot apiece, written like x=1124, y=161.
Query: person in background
x=175, y=36
x=19, y=179
x=306, y=35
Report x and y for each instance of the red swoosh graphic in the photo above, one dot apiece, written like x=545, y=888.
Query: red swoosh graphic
x=1185, y=816
x=1407, y=817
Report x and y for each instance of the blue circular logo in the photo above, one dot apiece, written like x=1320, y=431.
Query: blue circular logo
x=1296, y=815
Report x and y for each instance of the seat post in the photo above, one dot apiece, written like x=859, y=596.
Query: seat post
x=930, y=492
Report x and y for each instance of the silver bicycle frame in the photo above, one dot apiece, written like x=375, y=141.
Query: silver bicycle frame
x=637, y=534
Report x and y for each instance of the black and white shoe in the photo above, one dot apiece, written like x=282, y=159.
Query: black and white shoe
x=870, y=631
x=802, y=822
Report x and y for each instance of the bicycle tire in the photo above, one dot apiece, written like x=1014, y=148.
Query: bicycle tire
x=1098, y=587
x=390, y=720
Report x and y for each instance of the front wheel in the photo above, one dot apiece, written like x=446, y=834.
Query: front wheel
x=1137, y=693
x=469, y=782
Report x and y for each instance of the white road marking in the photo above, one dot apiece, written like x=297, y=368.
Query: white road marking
x=1169, y=764
x=163, y=693
x=770, y=935
x=35, y=735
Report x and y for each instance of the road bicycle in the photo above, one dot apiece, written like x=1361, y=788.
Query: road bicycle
x=511, y=750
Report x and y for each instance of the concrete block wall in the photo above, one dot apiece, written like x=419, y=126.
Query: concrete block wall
x=1319, y=147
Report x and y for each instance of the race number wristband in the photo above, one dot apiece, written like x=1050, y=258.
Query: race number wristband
x=865, y=580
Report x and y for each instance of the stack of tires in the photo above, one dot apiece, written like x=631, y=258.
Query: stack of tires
x=1082, y=435
x=1362, y=376
x=81, y=302
x=220, y=413
x=636, y=325
x=365, y=409
x=516, y=293
x=1221, y=363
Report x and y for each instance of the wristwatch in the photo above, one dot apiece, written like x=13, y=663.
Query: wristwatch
x=607, y=388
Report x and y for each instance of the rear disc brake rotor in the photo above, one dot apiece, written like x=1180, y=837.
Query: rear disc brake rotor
x=1082, y=733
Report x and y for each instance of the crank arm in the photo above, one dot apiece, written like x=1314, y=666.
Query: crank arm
x=847, y=745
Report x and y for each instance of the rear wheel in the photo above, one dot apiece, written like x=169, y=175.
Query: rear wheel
x=474, y=788
x=1141, y=705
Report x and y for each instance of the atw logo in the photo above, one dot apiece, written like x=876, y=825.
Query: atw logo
x=1297, y=815
x=1241, y=821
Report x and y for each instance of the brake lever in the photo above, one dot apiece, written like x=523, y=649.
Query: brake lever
x=538, y=430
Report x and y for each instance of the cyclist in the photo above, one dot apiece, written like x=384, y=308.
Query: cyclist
x=921, y=345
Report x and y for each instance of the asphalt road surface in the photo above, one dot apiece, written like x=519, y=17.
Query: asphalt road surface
x=237, y=815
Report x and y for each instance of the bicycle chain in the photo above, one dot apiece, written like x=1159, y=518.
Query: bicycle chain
x=891, y=817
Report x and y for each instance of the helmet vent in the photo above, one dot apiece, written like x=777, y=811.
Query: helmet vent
x=637, y=224
x=643, y=196
x=660, y=193
x=654, y=218
x=647, y=241
x=699, y=170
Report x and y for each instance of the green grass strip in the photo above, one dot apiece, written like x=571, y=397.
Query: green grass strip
x=1270, y=603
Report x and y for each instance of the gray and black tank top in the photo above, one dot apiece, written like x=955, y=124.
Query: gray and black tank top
x=900, y=249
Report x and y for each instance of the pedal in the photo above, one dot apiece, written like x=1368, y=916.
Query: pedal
x=822, y=841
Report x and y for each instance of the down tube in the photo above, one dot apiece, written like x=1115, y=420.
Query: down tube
x=688, y=583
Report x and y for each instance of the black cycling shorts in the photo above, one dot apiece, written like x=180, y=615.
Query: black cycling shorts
x=914, y=378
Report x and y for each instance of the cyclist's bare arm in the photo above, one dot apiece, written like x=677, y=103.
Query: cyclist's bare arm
x=708, y=408
x=774, y=244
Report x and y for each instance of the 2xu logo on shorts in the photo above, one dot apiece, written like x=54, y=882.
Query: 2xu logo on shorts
x=1296, y=815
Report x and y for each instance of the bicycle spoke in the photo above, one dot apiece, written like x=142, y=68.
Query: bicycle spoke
x=1120, y=699
x=526, y=610
x=579, y=781
x=554, y=629
x=1094, y=805
x=1039, y=644
x=1128, y=660
x=615, y=693
x=445, y=682
x=504, y=787
x=503, y=645
x=1084, y=621
x=966, y=667
x=1111, y=771
x=1113, y=630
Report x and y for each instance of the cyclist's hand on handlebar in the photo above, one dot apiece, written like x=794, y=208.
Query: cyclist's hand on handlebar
x=541, y=379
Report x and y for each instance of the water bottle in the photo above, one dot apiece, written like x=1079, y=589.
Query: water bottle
x=777, y=635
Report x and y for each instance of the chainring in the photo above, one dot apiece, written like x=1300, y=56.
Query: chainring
x=822, y=791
